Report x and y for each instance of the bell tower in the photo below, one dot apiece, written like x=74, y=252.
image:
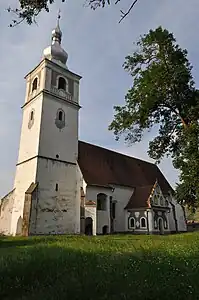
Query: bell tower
x=47, y=199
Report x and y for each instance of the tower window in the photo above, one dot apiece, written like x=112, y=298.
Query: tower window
x=56, y=187
x=60, y=118
x=31, y=118
x=61, y=84
x=34, y=84
x=31, y=115
x=60, y=115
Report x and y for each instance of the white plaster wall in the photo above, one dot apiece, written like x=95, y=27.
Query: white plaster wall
x=76, y=91
x=48, y=77
x=6, y=206
x=150, y=220
x=58, y=211
x=81, y=179
x=53, y=140
x=29, y=140
x=172, y=225
x=121, y=195
x=25, y=175
x=180, y=217
x=103, y=217
x=90, y=211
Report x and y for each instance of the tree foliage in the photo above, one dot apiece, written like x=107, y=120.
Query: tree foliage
x=187, y=161
x=163, y=94
x=28, y=10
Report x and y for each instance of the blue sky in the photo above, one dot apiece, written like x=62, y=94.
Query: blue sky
x=96, y=45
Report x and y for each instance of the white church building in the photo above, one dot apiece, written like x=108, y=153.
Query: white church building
x=66, y=186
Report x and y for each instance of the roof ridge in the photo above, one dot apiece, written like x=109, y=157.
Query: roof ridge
x=132, y=157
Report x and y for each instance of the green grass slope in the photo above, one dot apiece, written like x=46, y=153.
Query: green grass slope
x=107, y=267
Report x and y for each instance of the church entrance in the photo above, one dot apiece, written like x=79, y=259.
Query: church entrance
x=105, y=229
x=89, y=226
x=160, y=226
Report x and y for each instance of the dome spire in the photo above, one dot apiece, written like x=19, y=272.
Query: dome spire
x=55, y=51
x=56, y=33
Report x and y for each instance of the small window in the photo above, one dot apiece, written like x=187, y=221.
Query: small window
x=60, y=118
x=34, y=84
x=61, y=84
x=101, y=201
x=143, y=223
x=56, y=187
x=31, y=119
x=60, y=115
x=32, y=115
x=132, y=222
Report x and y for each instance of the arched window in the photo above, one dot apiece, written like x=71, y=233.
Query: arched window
x=131, y=222
x=34, y=84
x=60, y=115
x=61, y=84
x=143, y=223
x=60, y=118
x=101, y=201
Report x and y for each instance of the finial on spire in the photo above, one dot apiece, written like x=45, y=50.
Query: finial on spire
x=56, y=33
x=59, y=16
x=59, y=13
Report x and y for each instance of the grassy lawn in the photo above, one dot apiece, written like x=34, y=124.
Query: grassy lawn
x=106, y=267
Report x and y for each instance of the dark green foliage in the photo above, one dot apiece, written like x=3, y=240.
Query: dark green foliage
x=163, y=95
x=28, y=10
x=109, y=267
x=187, y=161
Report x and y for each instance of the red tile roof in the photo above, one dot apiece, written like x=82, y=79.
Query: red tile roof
x=101, y=166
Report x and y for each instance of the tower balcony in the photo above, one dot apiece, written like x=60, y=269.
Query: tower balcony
x=61, y=93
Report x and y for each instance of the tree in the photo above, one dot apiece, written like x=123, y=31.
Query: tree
x=163, y=94
x=28, y=10
x=187, y=161
x=101, y=3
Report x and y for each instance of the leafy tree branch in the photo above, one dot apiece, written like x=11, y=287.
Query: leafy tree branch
x=28, y=10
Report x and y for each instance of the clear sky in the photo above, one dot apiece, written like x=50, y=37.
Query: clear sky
x=96, y=45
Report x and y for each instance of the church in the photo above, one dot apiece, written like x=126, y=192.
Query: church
x=66, y=186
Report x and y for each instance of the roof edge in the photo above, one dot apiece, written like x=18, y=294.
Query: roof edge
x=132, y=157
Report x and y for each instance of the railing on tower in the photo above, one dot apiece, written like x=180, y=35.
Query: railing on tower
x=61, y=93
